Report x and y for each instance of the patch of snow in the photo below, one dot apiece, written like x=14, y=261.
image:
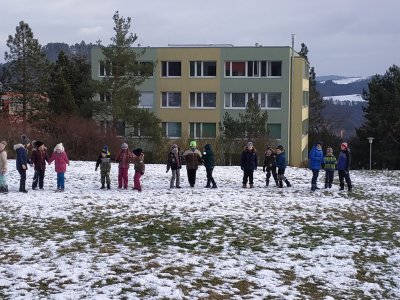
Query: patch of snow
x=349, y=80
x=345, y=99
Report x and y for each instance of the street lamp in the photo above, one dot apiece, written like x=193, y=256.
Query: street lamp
x=370, y=140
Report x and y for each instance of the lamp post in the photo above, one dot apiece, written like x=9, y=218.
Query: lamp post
x=370, y=140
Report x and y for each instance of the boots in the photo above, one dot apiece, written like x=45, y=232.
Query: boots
x=313, y=187
x=267, y=182
x=102, y=186
x=288, y=183
x=251, y=186
x=108, y=187
x=276, y=183
x=244, y=186
x=280, y=184
x=350, y=188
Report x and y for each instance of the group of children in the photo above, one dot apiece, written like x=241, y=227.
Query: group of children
x=274, y=165
x=37, y=160
x=329, y=163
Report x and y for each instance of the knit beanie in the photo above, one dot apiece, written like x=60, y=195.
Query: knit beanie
x=345, y=145
x=193, y=144
x=137, y=151
x=25, y=140
x=59, y=147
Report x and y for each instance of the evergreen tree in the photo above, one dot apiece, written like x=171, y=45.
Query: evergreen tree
x=27, y=73
x=124, y=75
x=382, y=119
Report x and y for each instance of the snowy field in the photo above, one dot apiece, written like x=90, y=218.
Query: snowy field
x=225, y=243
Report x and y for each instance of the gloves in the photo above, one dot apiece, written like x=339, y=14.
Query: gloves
x=166, y=171
x=23, y=167
x=142, y=173
x=95, y=169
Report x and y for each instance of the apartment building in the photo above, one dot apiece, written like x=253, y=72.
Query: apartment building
x=193, y=86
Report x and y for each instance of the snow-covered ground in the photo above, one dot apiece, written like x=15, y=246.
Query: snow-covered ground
x=197, y=243
x=345, y=99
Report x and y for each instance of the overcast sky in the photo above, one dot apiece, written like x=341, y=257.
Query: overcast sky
x=344, y=37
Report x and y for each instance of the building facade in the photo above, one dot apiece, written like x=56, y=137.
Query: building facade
x=193, y=86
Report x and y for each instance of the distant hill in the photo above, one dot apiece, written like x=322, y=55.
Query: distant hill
x=343, y=102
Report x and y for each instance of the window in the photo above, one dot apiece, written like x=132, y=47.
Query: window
x=265, y=100
x=253, y=68
x=121, y=128
x=105, y=68
x=146, y=99
x=138, y=130
x=235, y=68
x=274, y=131
x=203, y=100
x=306, y=71
x=274, y=100
x=275, y=68
x=305, y=98
x=146, y=68
x=170, y=69
x=203, y=69
x=203, y=130
x=172, y=129
x=171, y=99
x=105, y=97
x=304, y=125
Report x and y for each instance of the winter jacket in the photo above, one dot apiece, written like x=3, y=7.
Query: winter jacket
x=174, y=162
x=344, y=160
x=124, y=158
x=249, y=160
x=316, y=158
x=270, y=161
x=39, y=158
x=104, y=162
x=60, y=160
x=281, y=160
x=22, y=156
x=3, y=161
x=208, y=157
x=330, y=162
x=192, y=158
x=139, y=163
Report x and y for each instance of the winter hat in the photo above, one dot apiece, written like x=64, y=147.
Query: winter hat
x=59, y=147
x=318, y=143
x=329, y=150
x=280, y=147
x=25, y=140
x=37, y=144
x=124, y=146
x=193, y=144
x=207, y=147
x=3, y=145
x=174, y=146
x=105, y=149
x=137, y=151
x=345, y=145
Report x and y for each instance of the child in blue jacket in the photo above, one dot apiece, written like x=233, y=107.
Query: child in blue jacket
x=281, y=165
x=316, y=158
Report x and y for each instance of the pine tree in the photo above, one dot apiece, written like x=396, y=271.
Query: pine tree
x=382, y=119
x=124, y=75
x=27, y=73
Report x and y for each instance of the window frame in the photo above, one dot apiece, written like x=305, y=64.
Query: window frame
x=196, y=100
x=165, y=134
x=201, y=130
x=260, y=95
x=167, y=69
x=196, y=64
x=167, y=97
